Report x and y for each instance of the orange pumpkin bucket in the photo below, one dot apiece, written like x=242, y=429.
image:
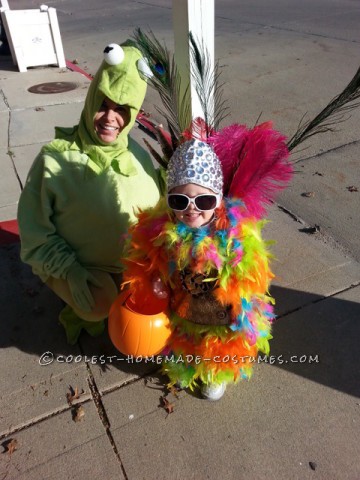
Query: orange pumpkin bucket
x=139, y=329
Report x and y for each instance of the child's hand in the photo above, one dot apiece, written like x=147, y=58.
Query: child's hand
x=159, y=288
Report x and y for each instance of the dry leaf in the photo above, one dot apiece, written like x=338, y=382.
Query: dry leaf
x=308, y=194
x=169, y=407
x=78, y=413
x=352, y=188
x=10, y=446
x=175, y=391
x=73, y=394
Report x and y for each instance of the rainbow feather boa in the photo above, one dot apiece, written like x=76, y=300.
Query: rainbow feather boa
x=231, y=246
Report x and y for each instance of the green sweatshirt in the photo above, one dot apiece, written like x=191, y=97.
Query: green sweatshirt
x=66, y=214
x=81, y=195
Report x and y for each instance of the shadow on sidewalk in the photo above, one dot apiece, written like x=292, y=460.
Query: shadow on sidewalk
x=7, y=64
x=327, y=329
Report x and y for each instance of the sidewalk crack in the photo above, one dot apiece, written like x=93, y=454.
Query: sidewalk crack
x=9, y=115
x=12, y=156
x=35, y=421
x=103, y=416
x=322, y=235
x=318, y=300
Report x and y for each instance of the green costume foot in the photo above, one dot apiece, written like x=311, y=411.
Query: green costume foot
x=74, y=324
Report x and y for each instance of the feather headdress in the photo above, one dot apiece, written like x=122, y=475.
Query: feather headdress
x=255, y=162
x=166, y=80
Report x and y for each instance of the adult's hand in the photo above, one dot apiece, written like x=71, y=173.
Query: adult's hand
x=78, y=279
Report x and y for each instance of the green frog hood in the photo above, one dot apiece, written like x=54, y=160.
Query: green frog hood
x=121, y=79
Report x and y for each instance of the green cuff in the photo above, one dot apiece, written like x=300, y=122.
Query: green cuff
x=74, y=325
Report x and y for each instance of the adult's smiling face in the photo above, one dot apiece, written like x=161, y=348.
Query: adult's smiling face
x=110, y=120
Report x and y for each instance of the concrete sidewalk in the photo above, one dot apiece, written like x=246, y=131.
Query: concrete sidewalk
x=297, y=418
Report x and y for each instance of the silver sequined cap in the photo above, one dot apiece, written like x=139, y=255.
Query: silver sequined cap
x=195, y=161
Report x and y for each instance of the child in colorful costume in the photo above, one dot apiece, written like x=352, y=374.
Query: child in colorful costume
x=214, y=269
x=207, y=254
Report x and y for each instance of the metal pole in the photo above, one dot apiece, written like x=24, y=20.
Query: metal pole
x=197, y=17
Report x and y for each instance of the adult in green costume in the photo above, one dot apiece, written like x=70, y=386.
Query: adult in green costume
x=82, y=193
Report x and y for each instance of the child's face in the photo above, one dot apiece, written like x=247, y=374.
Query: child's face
x=192, y=216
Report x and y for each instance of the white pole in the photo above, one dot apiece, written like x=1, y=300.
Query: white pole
x=197, y=17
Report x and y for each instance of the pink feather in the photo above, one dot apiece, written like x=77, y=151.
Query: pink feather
x=227, y=143
x=198, y=129
x=255, y=164
x=213, y=256
x=237, y=259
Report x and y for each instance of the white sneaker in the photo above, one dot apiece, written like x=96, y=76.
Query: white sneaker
x=213, y=391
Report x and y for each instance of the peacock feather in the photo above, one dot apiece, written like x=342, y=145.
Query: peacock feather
x=331, y=115
x=175, y=99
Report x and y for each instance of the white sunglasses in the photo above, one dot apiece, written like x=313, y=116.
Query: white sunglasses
x=203, y=202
